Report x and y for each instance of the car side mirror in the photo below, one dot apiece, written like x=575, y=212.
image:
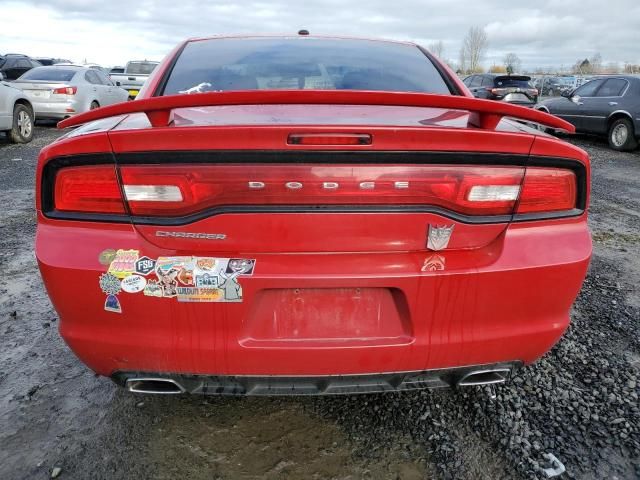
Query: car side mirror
x=566, y=94
x=118, y=84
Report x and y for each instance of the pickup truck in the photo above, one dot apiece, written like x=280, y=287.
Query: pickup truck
x=135, y=74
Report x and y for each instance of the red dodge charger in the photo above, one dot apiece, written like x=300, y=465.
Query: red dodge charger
x=310, y=215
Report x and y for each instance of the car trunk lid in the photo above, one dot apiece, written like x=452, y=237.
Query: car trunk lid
x=245, y=186
x=46, y=90
x=515, y=89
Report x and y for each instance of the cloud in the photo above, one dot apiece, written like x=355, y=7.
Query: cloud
x=542, y=33
x=536, y=29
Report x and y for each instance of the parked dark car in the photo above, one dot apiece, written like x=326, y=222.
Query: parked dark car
x=48, y=61
x=604, y=106
x=12, y=65
x=507, y=88
x=553, y=86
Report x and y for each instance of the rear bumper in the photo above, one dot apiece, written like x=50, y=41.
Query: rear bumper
x=6, y=122
x=144, y=382
x=508, y=301
x=523, y=104
x=55, y=110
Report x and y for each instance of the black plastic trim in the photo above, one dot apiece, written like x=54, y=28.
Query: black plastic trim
x=177, y=221
x=273, y=385
x=309, y=156
x=321, y=157
x=162, y=84
x=451, y=85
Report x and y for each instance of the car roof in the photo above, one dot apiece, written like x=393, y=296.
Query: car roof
x=79, y=68
x=613, y=75
x=67, y=65
x=296, y=35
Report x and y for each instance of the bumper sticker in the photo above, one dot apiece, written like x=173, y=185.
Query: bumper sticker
x=153, y=289
x=206, y=280
x=107, y=256
x=186, y=278
x=110, y=284
x=112, y=304
x=133, y=283
x=145, y=265
x=196, y=294
x=124, y=263
x=167, y=281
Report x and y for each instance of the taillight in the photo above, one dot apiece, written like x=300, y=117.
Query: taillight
x=547, y=190
x=177, y=190
x=88, y=189
x=185, y=189
x=66, y=91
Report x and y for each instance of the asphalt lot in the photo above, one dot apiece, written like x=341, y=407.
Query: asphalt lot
x=580, y=402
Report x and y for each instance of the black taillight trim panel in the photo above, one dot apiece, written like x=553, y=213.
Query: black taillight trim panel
x=312, y=156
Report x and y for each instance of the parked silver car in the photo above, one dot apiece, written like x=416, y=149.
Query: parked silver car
x=60, y=91
x=16, y=114
x=134, y=76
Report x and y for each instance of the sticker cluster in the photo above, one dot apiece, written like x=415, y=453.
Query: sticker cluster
x=188, y=279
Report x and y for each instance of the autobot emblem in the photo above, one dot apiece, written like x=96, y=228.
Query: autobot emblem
x=438, y=236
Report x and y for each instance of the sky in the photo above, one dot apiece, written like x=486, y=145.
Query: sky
x=543, y=33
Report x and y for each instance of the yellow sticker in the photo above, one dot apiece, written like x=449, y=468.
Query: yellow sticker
x=124, y=263
x=198, y=294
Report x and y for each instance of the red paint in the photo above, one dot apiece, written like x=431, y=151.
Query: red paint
x=331, y=293
x=486, y=113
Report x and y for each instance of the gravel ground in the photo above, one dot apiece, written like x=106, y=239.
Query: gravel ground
x=580, y=402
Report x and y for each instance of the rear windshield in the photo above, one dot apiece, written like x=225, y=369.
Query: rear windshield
x=302, y=63
x=511, y=82
x=141, y=68
x=51, y=74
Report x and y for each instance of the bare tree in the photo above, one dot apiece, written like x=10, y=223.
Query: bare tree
x=462, y=61
x=596, y=63
x=512, y=63
x=582, y=67
x=437, y=48
x=612, y=67
x=631, y=68
x=475, y=46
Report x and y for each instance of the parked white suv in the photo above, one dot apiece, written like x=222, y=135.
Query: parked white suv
x=16, y=114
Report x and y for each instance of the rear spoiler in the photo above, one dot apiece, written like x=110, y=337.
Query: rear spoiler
x=485, y=114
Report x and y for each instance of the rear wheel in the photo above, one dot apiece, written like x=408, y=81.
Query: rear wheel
x=22, y=131
x=622, y=136
x=94, y=105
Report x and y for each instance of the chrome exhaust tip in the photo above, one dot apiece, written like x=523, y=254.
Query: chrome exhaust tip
x=484, y=377
x=159, y=386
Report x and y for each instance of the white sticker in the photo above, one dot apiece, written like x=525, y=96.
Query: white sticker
x=133, y=283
